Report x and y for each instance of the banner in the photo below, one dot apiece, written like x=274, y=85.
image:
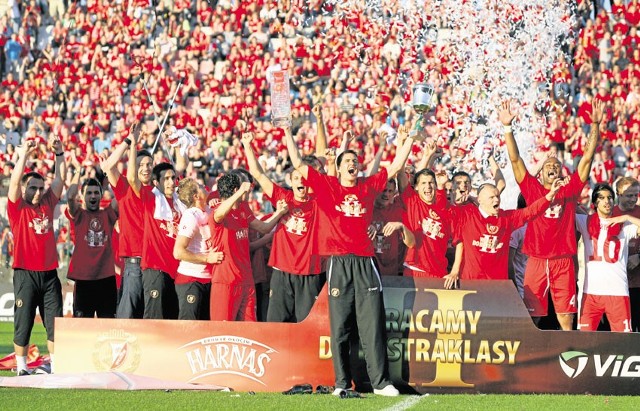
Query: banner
x=7, y=301
x=479, y=338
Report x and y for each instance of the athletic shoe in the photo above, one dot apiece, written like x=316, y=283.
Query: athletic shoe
x=338, y=392
x=22, y=373
x=43, y=369
x=388, y=391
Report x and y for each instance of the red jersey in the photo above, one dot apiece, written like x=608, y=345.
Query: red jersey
x=93, y=255
x=131, y=223
x=159, y=234
x=32, y=228
x=231, y=236
x=390, y=250
x=431, y=224
x=486, y=240
x=349, y=212
x=294, y=248
x=552, y=234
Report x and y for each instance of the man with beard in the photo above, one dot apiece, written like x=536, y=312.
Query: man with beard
x=298, y=274
x=606, y=249
x=355, y=287
x=485, y=232
x=550, y=240
x=627, y=189
x=92, y=264
x=35, y=280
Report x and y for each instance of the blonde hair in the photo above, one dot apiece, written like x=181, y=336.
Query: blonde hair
x=187, y=189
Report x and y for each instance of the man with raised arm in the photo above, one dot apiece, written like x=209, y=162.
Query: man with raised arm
x=355, y=288
x=298, y=274
x=550, y=240
x=35, y=278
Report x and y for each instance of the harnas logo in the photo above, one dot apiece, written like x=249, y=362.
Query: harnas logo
x=228, y=354
x=573, y=363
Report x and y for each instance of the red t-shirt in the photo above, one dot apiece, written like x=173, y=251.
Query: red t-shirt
x=349, y=212
x=32, y=227
x=486, y=240
x=231, y=236
x=294, y=248
x=389, y=250
x=552, y=234
x=93, y=255
x=431, y=225
x=159, y=236
x=131, y=222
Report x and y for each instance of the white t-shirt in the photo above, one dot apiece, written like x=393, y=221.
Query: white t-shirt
x=606, y=265
x=194, y=224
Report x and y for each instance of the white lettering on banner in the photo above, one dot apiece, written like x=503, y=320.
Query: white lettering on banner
x=629, y=368
x=227, y=354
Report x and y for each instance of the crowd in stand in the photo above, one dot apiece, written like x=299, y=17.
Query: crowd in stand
x=85, y=84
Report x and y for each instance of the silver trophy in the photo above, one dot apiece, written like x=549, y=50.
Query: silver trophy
x=280, y=99
x=421, y=103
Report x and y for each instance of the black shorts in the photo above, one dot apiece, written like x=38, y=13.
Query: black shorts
x=193, y=300
x=95, y=297
x=35, y=289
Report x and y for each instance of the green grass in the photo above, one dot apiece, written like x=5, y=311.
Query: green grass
x=36, y=399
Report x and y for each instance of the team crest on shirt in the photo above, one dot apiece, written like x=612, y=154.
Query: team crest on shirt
x=295, y=223
x=96, y=237
x=492, y=229
x=40, y=224
x=433, y=215
x=351, y=206
x=431, y=228
x=554, y=211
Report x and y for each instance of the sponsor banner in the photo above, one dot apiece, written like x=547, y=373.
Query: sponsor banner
x=7, y=301
x=479, y=338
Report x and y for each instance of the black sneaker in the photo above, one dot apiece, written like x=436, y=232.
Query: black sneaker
x=43, y=369
x=22, y=373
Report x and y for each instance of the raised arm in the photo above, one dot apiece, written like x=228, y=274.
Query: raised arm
x=294, y=155
x=401, y=156
x=429, y=156
x=265, y=227
x=375, y=164
x=321, y=134
x=23, y=152
x=57, y=185
x=227, y=204
x=597, y=116
x=109, y=165
x=254, y=166
x=132, y=164
x=506, y=116
x=497, y=174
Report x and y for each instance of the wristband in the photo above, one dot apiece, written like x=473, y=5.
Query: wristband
x=59, y=154
x=507, y=129
x=128, y=141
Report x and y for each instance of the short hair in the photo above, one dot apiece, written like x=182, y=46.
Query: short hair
x=626, y=181
x=90, y=182
x=599, y=188
x=159, y=170
x=187, y=189
x=244, y=173
x=227, y=185
x=312, y=161
x=31, y=174
x=142, y=154
x=341, y=156
x=423, y=172
x=485, y=185
x=460, y=174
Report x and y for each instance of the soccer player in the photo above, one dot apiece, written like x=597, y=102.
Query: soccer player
x=194, y=252
x=485, y=232
x=298, y=274
x=354, y=282
x=92, y=264
x=628, y=189
x=35, y=279
x=550, y=240
x=606, y=248
x=233, y=295
x=131, y=297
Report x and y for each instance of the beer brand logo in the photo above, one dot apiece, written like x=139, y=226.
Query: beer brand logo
x=191, y=298
x=228, y=355
x=19, y=302
x=335, y=292
x=116, y=350
x=492, y=229
x=573, y=356
x=154, y=293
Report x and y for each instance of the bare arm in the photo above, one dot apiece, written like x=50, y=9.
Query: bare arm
x=597, y=116
x=375, y=164
x=110, y=164
x=451, y=278
x=132, y=165
x=265, y=227
x=408, y=238
x=506, y=116
x=254, y=166
x=227, y=204
x=401, y=156
x=497, y=174
x=72, y=193
x=296, y=160
x=57, y=185
x=181, y=253
x=261, y=242
x=321, y=135
x=23, y=152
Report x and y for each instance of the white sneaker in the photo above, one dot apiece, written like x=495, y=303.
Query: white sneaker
x=388, y=391
x=337, y=392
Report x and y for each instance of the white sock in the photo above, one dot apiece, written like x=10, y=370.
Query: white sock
x=51, y=357
x=21, y=361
